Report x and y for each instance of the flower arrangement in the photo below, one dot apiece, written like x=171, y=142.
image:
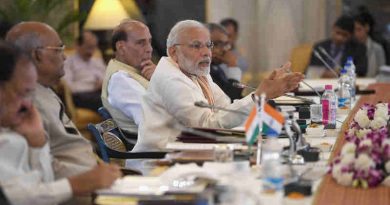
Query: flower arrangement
x=364, y=160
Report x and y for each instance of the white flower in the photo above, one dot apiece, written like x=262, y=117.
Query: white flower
x=362, y=119
x=385, y=142
x=387, y=166
x=366, y=143
x=377, y=123
x=364, y=162
x=336, y=170
x=351, y=131
x=348, y=148
x=382, y=111
x=345, y=179
x=386, y=182
x=347, y=159
x=362, y=133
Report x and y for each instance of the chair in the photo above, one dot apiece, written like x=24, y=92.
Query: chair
x=103, y=112
x=300, y=57
x=111, y=143
x=80, y=116
x=129, y=138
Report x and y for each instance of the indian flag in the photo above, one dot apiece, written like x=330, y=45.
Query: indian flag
x=270, y=118
x=252, y=128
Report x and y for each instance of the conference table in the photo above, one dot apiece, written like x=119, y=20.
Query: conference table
x=325, y=189
x=329, y=192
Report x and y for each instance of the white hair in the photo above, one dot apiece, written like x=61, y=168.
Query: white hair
x=178, y=28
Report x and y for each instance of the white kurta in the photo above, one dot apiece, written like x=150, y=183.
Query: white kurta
x=26, y=174
x=170, y=100
x=125, y=94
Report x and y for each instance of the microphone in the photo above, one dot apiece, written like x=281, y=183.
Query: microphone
x=327, y=66
x=323, y=51
x=206, y=105
x=241, y=85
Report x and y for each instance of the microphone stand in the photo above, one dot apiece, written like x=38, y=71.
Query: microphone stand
x=322, y=50
x=327, y=66
x=241, y=85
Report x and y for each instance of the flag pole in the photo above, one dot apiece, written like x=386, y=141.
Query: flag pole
x=260, y=107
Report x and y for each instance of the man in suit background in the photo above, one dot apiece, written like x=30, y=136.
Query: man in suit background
x=340, y=46
x=224, y=68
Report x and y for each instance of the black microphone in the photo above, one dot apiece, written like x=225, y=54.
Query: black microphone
x=327, y=66
x=206, y=105
x=241, y=85
x=323, y=51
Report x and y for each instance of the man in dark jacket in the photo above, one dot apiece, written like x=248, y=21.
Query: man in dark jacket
x=340, y=46
x=224, y=69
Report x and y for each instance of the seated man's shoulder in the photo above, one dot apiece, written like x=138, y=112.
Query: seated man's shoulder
x=323, y=43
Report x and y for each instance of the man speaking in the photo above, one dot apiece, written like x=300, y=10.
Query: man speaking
x=183, y=78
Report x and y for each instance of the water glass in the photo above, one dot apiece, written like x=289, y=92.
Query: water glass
x=316, y=113
x=223, y=153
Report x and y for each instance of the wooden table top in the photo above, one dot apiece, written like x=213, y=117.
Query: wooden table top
x=329, y=192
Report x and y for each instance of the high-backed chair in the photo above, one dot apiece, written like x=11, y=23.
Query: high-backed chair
x=103, y=112
x=80, y=116
x=300, y=57
x=111, y=143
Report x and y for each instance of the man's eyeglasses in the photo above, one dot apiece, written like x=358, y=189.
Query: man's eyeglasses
x=56, y=48
x=222, y=45
x=197, y=45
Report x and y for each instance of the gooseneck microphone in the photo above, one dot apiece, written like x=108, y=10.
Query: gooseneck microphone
x=241, y=85
x=206, y=105
x=323, y=51
x=327, y=66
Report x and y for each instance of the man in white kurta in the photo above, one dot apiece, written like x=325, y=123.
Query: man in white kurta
x=127, y=75
x=182, y=79
x=26, y=175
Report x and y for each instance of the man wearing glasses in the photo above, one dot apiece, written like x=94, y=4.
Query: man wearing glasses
x=224, y=69
x=183, y=78
x=72, y=153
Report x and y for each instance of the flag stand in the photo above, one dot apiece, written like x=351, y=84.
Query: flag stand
x=260, y=105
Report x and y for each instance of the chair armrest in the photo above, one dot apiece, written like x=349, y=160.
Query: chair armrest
x=135, y=155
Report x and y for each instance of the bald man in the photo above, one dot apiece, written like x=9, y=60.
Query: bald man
x=128, y=74
x=84, y=73
x=72, y=154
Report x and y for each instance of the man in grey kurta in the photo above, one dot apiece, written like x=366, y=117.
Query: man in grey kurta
x=72, y=154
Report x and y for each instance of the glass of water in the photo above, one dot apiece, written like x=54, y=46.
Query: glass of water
x=223, y=153
x=316, y=113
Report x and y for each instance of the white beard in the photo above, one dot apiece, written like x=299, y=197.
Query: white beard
x=193, y=67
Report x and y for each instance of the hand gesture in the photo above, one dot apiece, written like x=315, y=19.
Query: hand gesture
x=147, y=69
x=230, y=59
x=31, y=127
x=279, y=82
x=101, y=176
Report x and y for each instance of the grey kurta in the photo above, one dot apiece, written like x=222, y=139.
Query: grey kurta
x=72, y=153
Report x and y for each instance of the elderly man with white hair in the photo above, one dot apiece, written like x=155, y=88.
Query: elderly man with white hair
x=183, y=78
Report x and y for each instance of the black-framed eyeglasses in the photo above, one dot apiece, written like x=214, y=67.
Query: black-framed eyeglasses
x=197, y=45
x=222, y=45
x=56, y=48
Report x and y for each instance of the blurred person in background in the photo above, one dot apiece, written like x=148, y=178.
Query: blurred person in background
x=84, y=73
x=364, y=25
x=339, y=46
